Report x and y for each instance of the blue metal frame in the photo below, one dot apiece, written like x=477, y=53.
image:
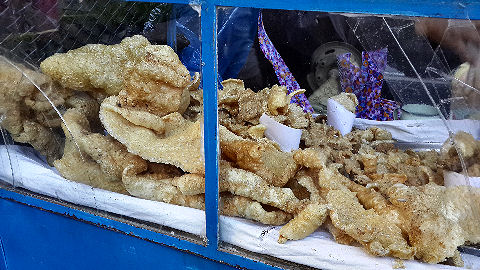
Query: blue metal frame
x=425, y=8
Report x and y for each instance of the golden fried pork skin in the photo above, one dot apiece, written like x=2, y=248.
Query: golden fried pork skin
x=238, y=206
x=170, y=139
x=26, y=113
x=250, y=185
x=439, y=219
x=145, y=76
x=260, y=157
x=158, y=185
x=305, y=223
x=378, y=235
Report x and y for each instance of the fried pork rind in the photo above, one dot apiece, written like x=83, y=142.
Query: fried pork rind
x=257, y=132
x=240, y=108
x=312, y=157
x=79, y=167
x=318, y=134
x=305, y=223
x=305, y=180
x=194, y=111
x=93, y=158
x=261, y=157
x=111, y=155
x=88, y=106
x=340, y=236
x=169, y=139
x=238, y=206
x=347, y=100
x=469, y=150
x=379, y=236
x=250, y=185
x=439, y=219
x=24, y=110
x=372, y=228
x=133, y=65
x=159, y=84
x=165, y=183
x=159, y=185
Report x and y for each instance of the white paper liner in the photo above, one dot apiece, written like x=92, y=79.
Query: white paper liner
x=287, y=138
x=422, y=130
x=317, y=250
x=452, y=179
x=339, y=117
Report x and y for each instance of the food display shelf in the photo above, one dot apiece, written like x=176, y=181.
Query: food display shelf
x=43, y=227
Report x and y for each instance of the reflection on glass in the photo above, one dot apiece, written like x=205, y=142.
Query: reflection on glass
x=97, y=110
x=387, y=158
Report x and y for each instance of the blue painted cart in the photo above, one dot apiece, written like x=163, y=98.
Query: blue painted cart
x=37, y=232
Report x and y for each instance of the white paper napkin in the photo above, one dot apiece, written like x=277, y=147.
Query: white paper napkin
x=452, y=179
x=339, y=117
x=287, y=138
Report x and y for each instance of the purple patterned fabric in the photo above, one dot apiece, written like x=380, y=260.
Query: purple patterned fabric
x=366, y=83
x=285, y=77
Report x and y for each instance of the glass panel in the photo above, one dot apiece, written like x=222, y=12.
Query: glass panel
x=347, y=135
x=90, y=92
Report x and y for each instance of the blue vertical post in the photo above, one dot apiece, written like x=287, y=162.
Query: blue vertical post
x=172, y=28
x=209, y=75
x=3, y=257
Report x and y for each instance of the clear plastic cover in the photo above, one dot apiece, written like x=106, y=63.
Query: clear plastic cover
x=96, y=110
x=350, y=135
x=342, y=135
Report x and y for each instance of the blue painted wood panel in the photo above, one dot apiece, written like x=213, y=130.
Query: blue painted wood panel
x=35, y=239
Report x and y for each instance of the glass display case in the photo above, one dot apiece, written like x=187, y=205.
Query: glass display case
x=258, y=135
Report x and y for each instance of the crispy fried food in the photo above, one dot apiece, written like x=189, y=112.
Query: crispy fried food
x=92, y=158
x=278, y=100
x=312, y=157
x=296, y=117
x=43, y=139
x=79, y=167
x=240, y=108
x=194, y=111
x=469, y=150
x=439, y=219
x=251, y=106
x=169, y=139
x=165, y=183
x=257, y=132
x=456, y=260
x=96, y=67
x=250, y=185
x=24, y=110
x=465, y=142
x=347, y=100
x=259, y=157
x=369, y=163
x=340, y=236
x=159, y=186
x=474, y=170
x=306, y=222
x=318, y=134
x=263, y=159
x=379, y=236
x=88, y=106
x=371, y=199
x=111, y=155
x=306, y=181
x=238, y=206
x=383, y=182
x=111, y=68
